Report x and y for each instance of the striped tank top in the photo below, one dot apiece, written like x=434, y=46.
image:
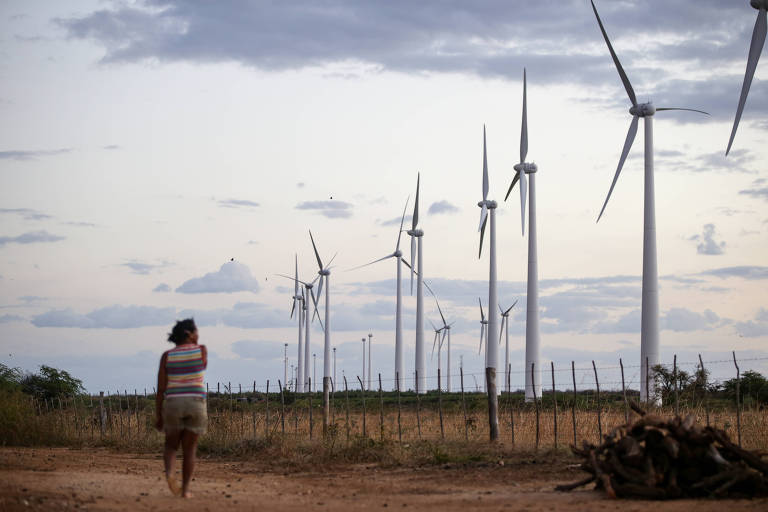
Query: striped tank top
x=184, y=368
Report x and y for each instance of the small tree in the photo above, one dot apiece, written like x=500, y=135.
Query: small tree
x=664, y=379
x=9, y=378
x=753, y=387
x=51, y=383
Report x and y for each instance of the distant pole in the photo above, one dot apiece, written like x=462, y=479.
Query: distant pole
x=674, y=379
x=314, y=372
x=334, y=367
x=573, y=405
x=285, y=366
x=363, y=359
x=370, y=335
x=738, y=407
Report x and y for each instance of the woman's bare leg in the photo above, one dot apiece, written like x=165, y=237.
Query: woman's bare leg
x=172, y=441
x=189, y=447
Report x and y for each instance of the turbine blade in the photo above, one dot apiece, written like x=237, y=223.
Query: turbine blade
x=624, y=152
x=440, y=311
x=523, y=195
x=433, y=325
x=501, y=310
x=524, y=128
x=316, y=312
x=434, y=342
x=501, y=328
x=442, y=340
x=482, y=337
x=291, y=278
x=755, y=48
x=622, y=74
x=424, y=282
x=319, y=262
x=510, y=308
x=331, y=261
x=296, y=282
x=483, y=213
x=658, y=109
x=399, y=233
x=413, y=259
x=320, y=287
x=485, y=170
x=415, y=219
x=512, y=185
x=482, y=234
x=375, y=261
x=293, y=307
x=482, y=313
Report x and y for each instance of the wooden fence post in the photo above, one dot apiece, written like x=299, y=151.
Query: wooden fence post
x=464, y=405
x=138, y=424
x=362, y=394
x=418, y=405
x=599, y=417
x=624, y=393
x=706, y=391
x=573, y=405
x=440, y=405
x=102, y=413
x=309, y=395
x=674, y=378
x=399, y=412
x=119, y=412
x=282, y=406
x=554, y=401
x=346, y=399
x=536, y=402
x=738, y=392
x=381, y=410
x=511, y=407
x=266, y=419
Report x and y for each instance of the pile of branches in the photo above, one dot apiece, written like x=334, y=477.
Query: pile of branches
x=657, y=458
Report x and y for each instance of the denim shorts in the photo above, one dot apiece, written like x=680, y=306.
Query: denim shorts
x=185, y=413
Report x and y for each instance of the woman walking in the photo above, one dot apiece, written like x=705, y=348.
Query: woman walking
x=181, y=401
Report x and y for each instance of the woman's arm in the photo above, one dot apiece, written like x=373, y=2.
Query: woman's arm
x=204, y=352
x=162, y=383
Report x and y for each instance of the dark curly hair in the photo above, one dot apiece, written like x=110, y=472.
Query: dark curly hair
x=182, y=330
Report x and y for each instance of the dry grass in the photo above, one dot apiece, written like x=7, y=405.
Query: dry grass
x=243, y=430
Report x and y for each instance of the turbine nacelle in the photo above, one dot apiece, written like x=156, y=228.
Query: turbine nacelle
x=398, y=254
x=759, y=4
x=415, y=232
x=488, y=203
x=324, y=272
x=526, y=167
x=644, y=109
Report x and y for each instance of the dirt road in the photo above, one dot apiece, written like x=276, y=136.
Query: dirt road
x=64, y=479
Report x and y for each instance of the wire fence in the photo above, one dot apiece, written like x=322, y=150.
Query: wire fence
x=561, y=414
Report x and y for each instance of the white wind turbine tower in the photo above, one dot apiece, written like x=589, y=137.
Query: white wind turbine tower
x=755, y=49
x=483, y=336
x=649, y=331
x=504, y=331
x=446, y=334
x=370, y=335
x=439, y=350
x=297, y=298
x=325, y=276
x=532, y=333
x=398, y=255
x=491, y=359
x=418, y=234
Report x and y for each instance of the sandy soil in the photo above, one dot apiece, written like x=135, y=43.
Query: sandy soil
x=64, y=479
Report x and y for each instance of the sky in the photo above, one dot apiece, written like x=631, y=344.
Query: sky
x=162, y=159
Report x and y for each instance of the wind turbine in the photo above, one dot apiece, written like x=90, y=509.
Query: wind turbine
x=532, y=333
x=417, y=234
x=504, y=330
x=446, y=334
x=491, y=352
x=649, y=331
x=483, y=335
x=398, y=255
x=439, y=347
x=755, y=49
x=325, y=276
x=298, y=298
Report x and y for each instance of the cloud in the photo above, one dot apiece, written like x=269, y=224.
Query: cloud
x=396, y=221
x=330, y=209
x=111, y=317
x=230, y=278
x=245, y=315
x=30, y=238
x=81, y=224
x=758, y=190
x=29, y=299
x=260, y=350
x=237, y=203
x=111, y=147
x=754, y=328
x=25, y=213
x=750, y=273
x=682, y=320
x=31, y=155
x=4, y=319
x=142, y=268
x=162, y=288
x=707, y=243
x=300, y=184
x=442, y=207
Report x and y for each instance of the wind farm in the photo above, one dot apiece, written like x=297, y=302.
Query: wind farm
x=170, y=161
